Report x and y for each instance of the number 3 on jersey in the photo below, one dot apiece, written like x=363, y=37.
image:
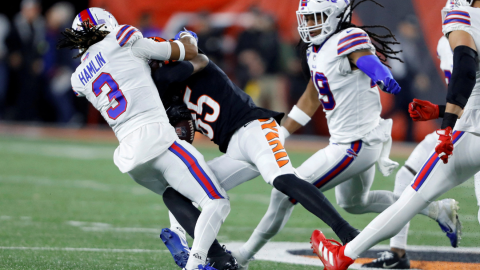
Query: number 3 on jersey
x=206, y=129
x=324, y=93
x=105, y=82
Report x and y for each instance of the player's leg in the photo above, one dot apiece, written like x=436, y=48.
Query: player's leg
x=319, y=170
x=477, y=192
x=434, y=179
x=278, y=213
x=186, y=171
x=232, y=172
x=258, y=143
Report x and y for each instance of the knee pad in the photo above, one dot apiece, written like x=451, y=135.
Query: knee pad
x=221, y=207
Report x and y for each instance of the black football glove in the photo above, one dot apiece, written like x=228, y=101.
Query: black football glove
x=178, y=111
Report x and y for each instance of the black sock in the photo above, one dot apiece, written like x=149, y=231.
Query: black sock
x=187, y=215
x=314, y=201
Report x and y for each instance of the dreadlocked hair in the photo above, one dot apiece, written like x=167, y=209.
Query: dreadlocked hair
x=81, y=39
x=380, y=42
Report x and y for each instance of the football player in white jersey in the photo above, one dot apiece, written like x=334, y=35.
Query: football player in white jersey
x=115, y=77
x=397, y=257
x=344, y=73
x=455, y=157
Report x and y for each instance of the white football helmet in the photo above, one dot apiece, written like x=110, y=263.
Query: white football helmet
x=96, y=16
x=326, y=14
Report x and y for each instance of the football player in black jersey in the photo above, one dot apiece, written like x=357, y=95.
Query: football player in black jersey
x=248, y=135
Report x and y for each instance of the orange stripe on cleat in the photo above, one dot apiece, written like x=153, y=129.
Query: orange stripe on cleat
x=271, y=135
x=271, y=126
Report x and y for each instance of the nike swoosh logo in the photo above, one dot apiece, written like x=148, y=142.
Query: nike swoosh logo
x=390, y=266
x=349, y=31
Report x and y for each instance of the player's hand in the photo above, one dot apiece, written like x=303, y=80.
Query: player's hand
x=422, y=110
x=179, y=34
x=444, y=146
x=389, y=85
x=178, y=111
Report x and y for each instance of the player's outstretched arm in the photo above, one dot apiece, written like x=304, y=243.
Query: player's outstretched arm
x=378, y=72
x=199, y=62
x=301, y=113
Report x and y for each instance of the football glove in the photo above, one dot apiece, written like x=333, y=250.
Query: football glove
x=178, y=35
x=422, y=110
x=444, y=147
x=178, y=111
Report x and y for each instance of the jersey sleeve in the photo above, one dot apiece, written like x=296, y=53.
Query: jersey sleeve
x=148, y=49
x=126, y=35
x=353, y=39
x=445, y=55
x=457, y=19
x=174, y=72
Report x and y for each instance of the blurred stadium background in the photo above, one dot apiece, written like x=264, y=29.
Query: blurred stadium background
x=61, y=192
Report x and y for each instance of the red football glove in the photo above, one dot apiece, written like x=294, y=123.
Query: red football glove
x=444, y=146
x=422, y=110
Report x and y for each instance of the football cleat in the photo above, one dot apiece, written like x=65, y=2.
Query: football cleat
x=448, y=220
x=242, y=260
x=224, y=262
x=330, y=252
x=389, y=260
x=177, y=245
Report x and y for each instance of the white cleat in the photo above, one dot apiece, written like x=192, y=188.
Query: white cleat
x=448, y=220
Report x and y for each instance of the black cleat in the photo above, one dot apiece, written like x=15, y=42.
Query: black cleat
x=389, y=260
x=224, y=262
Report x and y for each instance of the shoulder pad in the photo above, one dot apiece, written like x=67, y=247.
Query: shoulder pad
x=353, y=39
x=127, y=34
x=458, y=15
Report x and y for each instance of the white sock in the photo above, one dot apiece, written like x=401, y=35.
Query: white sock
x=403, y=178
x=174, y=225
x=197, y=257
x=214, y=213
x=273, y=221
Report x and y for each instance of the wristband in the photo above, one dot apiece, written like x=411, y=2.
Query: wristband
x=299, y=116
x=182, y=50
x=449, y=120
x=441, y=110
x=285, y=132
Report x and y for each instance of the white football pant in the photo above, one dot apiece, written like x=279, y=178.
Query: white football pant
x=183, y=168
x=433, y=179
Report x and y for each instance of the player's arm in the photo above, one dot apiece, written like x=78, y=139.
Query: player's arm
x=463, y=75
x=302, y=112
x=199, y=62
x=185, y=48
x=179, y=71
x=369, y=63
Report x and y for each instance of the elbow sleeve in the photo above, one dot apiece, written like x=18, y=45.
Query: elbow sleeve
x=463, y=76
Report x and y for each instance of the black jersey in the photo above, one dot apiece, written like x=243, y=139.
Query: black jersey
x=218, y=106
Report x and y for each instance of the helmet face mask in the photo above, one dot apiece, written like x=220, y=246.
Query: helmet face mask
x=95, y=17
x=325, y=16
x=460, y=3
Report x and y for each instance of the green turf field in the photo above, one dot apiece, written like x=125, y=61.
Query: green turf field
x=70, y=195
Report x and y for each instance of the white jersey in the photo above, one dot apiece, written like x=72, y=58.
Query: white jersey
x=445, y=54
x=350, y=99
x=467, y=19
x=115, y=77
